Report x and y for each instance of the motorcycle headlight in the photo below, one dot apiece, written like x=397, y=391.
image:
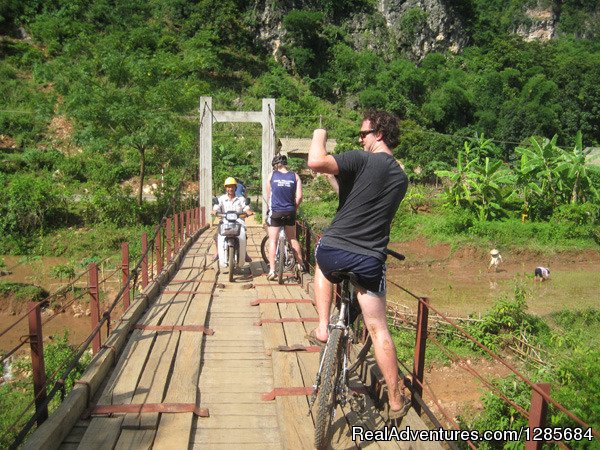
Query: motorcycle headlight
x=231, y=216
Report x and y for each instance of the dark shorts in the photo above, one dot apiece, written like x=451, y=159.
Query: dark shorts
x=279, y=219
x=370, y=271
x=537, y=272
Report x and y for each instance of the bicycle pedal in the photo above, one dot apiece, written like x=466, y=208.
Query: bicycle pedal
x=358, y=403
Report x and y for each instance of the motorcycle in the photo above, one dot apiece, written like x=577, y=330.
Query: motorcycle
x=230, y=229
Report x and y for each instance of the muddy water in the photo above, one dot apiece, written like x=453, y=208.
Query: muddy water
x=74, y=319
x=459, y=283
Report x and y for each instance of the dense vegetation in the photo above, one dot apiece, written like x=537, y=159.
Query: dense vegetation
x=565, y=355
x=97, y=94
x=17, y=394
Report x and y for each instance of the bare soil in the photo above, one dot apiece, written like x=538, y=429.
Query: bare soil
x=459, y=283
x=457, y=391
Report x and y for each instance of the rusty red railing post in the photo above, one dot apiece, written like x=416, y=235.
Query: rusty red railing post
x=168, y=237
x=94, y=304
x=537, y=414
x=175, y=234
x=197, y=221
x=202, y=216
x=159, y=260
x=420, y=345
x=144, y=260
x=181, y=228
x=188, y=223
x=36, y=343
x=125, y=272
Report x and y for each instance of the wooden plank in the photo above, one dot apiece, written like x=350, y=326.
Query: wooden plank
x=102, y=433
x=232, y=424
x=76, y=433
x=296, y=427
x=209, y=399
x=247, y=446
x=135, y=440
x=151, y=387
x=240, y=437
x=174, y=430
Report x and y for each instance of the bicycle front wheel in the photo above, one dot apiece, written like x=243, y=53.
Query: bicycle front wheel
x=264, y=249
x=231, y=263
x=326, y=402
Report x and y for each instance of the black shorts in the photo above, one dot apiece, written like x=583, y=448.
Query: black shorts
x=369, y=271
x=537, y=272
x=280, y=219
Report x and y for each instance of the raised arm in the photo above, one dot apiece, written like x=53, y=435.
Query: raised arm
x=298, y=191
x=318, y=159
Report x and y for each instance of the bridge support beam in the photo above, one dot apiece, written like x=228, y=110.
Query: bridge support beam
x=266, y=117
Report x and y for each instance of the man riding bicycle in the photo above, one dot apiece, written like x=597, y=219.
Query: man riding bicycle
x=284, y=194
x=230, y=202
x=371, y=187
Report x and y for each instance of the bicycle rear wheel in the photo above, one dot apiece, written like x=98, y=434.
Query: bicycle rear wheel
x=280, y=264
x=326, y=402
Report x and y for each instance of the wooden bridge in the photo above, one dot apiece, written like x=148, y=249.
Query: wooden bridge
x=200, y=362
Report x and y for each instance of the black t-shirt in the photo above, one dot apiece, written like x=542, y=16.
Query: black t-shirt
x=372, y=185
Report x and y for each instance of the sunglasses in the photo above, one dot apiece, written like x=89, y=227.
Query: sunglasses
x=365, y=133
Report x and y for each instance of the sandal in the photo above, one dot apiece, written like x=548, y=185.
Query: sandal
x=393, y=414
x=314, y=340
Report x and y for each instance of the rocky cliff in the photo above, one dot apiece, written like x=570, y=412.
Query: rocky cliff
x=417, y=27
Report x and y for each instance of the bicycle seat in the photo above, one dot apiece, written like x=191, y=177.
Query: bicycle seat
x=345, y=275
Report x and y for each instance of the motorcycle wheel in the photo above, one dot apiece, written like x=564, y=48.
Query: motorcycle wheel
x=231, y=263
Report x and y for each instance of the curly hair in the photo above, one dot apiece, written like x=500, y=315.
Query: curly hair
x=386, y=123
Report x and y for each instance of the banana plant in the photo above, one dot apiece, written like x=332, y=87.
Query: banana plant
x=578, y=168
x=479, y=185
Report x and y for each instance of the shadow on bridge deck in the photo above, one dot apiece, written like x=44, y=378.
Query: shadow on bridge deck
x=205, y=345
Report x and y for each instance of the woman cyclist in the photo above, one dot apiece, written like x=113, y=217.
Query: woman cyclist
x=284, y=194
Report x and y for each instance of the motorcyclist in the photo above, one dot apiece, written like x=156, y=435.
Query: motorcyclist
x=229, y=202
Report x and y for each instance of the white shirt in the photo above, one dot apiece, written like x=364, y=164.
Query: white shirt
x=237, y=204
x=545, y=272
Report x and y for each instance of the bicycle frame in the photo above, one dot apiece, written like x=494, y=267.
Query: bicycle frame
x=343, y=324
x=332, y=381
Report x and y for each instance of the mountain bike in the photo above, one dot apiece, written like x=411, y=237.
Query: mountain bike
x=284, y=256
x=337, y=362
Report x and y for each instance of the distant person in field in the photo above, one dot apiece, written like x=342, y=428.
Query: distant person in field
x=496, y=259
x=541, y=274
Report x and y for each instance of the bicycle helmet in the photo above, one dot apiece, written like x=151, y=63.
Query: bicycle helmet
x=279, y=159
x=230, y=181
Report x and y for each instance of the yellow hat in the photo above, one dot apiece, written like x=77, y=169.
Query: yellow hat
x=229, y=181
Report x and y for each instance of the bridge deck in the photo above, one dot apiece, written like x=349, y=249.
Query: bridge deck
x=227, y=372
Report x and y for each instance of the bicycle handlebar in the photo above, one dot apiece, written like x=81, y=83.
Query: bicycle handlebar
x=398, y=256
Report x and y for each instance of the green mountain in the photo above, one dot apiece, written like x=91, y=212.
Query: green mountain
x=96, y=93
